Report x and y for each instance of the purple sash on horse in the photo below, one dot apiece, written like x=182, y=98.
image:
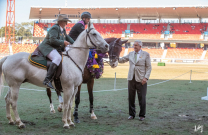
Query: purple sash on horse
x=95, y=63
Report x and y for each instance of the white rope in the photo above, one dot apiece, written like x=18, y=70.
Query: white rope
x=169, y=79
x=199, y=72
x=111, y=89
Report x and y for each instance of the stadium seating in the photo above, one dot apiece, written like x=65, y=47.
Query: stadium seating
x=192, y=28
x=206, y=56
x=4, y=48
x=149, y=28
x=185, y=37
x=177, y=53
x=130, y=50
x=110, y=28
x=146, y=36
x=122, y=52
x=140, y=31
x=154, y=53
x=39, y=29
x=184, y=53
x=23, y=48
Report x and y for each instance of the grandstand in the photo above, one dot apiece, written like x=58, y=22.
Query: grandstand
x=169, y=39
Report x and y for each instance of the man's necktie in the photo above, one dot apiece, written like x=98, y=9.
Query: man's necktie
x=135, y=57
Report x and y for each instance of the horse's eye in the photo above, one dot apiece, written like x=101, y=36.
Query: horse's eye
x=94, y=34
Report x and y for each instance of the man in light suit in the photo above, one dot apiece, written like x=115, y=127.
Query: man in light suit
x=139, y=72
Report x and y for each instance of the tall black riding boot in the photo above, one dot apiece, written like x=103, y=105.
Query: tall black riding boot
x=49, y=75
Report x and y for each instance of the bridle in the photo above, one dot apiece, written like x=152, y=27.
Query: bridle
x=112, y=56
x=88, y=35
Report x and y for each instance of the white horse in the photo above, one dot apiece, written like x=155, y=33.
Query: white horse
x=17, y=70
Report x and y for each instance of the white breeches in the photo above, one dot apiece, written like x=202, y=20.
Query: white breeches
x=55, y=57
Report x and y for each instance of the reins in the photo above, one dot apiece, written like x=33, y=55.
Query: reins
x=81, y=48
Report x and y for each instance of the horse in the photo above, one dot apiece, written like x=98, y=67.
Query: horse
x=17, y=70
x=114, y=52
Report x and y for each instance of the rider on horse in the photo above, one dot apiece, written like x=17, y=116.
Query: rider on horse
x=80, y=26
x=53, y=44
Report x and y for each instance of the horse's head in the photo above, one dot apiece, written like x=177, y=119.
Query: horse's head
x=115, y=50
x=94, y=39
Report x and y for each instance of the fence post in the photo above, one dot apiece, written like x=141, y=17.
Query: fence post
x=190, y=76
x=115, y=82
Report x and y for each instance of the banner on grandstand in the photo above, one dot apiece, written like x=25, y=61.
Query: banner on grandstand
x=127, y=31
x=173, y=45
x=71, y=15
x=167, y=32
x=201, y=45
x=206, y=33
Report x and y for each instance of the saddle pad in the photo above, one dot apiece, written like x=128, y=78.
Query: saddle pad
x=35, y=61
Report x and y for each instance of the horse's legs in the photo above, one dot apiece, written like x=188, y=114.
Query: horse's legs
x=60, y=106
x=70, y=106
x=49, y=96
x=14, y=95
x=68, y=94
x=90, y=91
x=8, y=103
x=77, y=101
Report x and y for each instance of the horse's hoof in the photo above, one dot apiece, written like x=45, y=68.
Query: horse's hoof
x=52, y=111
x=59, y=109
x=93, y=117
x=11, y=123
x=76, y=121
x=66, y=127
x=22, y=126
x=72, y=125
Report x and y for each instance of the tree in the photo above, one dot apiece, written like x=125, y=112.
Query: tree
x=24, y=29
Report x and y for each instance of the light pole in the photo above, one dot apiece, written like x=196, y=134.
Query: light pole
x=23, y=35
x=1, y=35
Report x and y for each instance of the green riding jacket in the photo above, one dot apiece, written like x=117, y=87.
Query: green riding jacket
x=54, y=40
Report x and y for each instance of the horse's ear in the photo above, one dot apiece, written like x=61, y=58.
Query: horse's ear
x=89, y=25
x=92, y=26
x=124, y=41
x=118, y=39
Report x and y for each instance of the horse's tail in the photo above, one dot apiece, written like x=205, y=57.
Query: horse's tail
x=1, y=76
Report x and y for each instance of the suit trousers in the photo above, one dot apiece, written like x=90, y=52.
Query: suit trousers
x=55, y=57
x=133, y=87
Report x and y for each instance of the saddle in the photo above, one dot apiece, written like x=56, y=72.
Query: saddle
x=39, y=60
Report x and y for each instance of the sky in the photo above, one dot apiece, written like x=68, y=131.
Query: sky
x=22, y=7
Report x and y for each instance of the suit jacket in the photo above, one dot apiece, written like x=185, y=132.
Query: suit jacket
x=142, y=68
x=54, y=40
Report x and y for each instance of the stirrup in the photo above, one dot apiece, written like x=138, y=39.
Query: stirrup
x=49, y=84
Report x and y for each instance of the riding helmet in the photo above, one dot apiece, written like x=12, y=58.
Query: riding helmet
x=85, y=15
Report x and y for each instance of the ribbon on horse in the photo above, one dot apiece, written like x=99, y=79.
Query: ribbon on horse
x=95, y=63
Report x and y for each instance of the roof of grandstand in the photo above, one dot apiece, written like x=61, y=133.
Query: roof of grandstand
x=145, y=13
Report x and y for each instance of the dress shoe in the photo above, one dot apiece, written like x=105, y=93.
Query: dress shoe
x=130, y=118
x=141, y=118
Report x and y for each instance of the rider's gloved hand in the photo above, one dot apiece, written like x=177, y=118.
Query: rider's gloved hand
x=66, y=43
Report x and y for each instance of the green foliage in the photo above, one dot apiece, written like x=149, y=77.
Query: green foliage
x=23, y=29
